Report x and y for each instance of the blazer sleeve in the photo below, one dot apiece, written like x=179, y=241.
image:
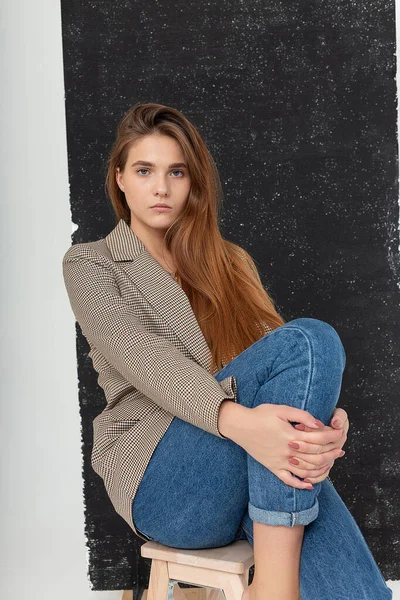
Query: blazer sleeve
x=151, y=363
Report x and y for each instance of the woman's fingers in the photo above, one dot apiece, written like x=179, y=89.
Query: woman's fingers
x=307, y=473
x=315, y=449
x=318, y=442
x=320, y=436
x=313, y=480
x=301, y=427
x=289, y=479
x=307, y=465
x=339, y=418
x=290, y=413
x=317, y=461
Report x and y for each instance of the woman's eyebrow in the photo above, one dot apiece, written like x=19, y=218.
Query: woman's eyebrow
x=149, y=164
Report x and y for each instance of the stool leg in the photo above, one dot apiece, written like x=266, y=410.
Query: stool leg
x=212, y=594
x=159, y=580
x=234, y=587
x=179, y=594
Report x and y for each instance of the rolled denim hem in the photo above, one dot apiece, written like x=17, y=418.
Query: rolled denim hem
x=277, y=517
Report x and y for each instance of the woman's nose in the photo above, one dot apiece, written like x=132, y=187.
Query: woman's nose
x=161, y=187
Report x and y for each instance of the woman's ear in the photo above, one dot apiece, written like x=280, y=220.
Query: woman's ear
x=118, y=177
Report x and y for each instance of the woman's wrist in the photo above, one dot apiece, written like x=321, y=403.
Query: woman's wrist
x=230, y=419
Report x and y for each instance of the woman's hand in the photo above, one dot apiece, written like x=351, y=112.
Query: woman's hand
x=265, y=432
x=312, y=453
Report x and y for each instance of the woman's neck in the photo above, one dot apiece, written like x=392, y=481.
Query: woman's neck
x=155, y=245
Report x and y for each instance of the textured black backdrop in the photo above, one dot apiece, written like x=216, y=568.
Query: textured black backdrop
x=297, y=102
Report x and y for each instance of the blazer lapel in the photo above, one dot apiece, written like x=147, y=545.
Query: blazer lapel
x=159, y=288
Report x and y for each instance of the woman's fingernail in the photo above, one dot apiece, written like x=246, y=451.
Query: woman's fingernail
x=300, y=426
x=319, y=423
x=342, y=454
x=336, y=423
x=309, y=487
x=294, y=461
x=294, y=445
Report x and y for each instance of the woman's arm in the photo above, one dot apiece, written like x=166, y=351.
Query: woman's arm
x=265, y=432
x=151, y=363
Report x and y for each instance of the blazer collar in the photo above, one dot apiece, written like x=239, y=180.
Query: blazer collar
x=123, y=243
x=160, y=289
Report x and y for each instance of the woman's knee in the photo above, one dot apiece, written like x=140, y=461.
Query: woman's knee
x=320, y=331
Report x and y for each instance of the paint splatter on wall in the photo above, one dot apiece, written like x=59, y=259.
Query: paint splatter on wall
x=298, y=107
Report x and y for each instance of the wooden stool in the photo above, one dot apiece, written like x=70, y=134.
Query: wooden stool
x=224, y=569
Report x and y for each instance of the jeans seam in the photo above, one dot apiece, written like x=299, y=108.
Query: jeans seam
x=305, y=398
x=247, y=532
x=311, y=358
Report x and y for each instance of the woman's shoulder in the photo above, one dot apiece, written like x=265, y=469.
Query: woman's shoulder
x=87, y=250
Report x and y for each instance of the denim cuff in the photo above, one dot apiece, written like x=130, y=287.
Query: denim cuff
x=277, y=517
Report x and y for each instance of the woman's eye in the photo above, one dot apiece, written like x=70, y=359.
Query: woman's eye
x=175, y=171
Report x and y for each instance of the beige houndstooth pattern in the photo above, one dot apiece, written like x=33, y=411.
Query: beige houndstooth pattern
x=152, y=359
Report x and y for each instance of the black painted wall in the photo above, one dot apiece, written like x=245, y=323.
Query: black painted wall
x=297, y=102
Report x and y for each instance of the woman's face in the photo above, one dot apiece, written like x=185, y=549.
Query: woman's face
x=155, y=172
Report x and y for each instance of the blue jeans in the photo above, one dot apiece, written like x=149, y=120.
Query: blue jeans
x=202, y=491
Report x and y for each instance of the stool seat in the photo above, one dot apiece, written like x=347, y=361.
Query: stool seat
x=223, y=569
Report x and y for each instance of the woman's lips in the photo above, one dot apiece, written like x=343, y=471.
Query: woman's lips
x=161, y=208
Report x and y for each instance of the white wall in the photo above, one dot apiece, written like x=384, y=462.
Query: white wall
x=42, y=548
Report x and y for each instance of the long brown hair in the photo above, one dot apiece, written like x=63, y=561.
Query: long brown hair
x=220, y=278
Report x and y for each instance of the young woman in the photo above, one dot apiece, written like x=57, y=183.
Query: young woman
x=221, y=419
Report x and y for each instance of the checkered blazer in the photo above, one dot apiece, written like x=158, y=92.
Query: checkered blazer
x=152, y=359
